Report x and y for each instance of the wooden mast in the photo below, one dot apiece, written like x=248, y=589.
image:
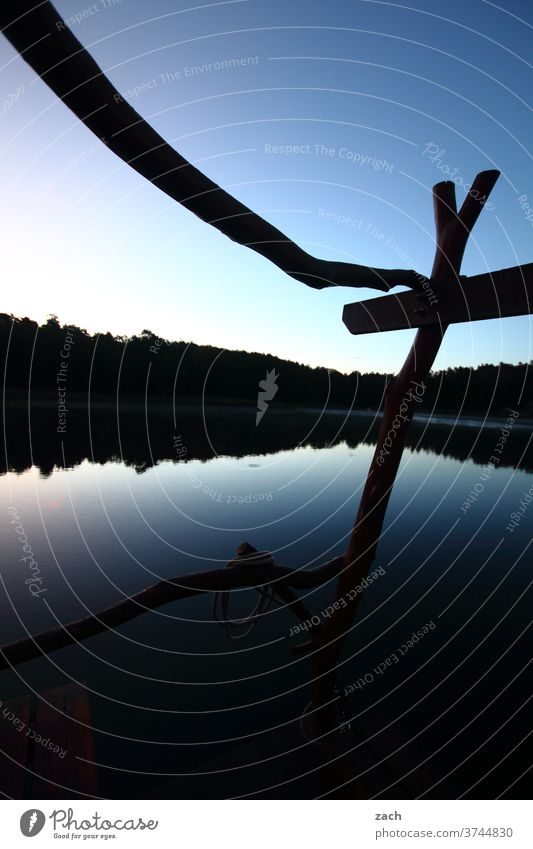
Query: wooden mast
x=452, y=231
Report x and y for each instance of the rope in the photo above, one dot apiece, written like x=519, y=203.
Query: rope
x=221, y=600
x=221, y=613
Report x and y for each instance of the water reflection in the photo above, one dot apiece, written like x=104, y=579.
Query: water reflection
x=141, y=439
x=168, y=693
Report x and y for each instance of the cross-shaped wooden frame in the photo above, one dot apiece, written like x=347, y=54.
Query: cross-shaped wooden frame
x=496, y=294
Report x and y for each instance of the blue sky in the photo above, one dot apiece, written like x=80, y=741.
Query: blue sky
x=373, y=100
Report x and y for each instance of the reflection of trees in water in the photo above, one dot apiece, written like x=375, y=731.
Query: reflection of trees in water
x=464, y=443
x=227, y=432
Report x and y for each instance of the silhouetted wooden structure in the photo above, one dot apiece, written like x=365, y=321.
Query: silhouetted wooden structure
x=46, y=746
x=500, y=294
x=372, y=760
x=62, y=62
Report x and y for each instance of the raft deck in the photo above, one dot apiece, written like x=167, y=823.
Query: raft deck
x=42, y=738
x=47, y=752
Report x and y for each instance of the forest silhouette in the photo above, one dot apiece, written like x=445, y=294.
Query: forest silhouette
x=45, y=359
x=209, y=397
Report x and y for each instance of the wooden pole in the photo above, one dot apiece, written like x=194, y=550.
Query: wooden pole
x=452, y=231
x=240, y=576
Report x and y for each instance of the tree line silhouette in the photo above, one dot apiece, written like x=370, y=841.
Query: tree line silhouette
x=51, y=357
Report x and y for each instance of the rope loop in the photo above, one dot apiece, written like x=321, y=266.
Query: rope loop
x=247, y=555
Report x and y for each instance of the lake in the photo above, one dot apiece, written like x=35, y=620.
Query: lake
x=123, y=499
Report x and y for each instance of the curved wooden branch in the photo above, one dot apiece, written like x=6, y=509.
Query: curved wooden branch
x=55, y=54
x=164, y=592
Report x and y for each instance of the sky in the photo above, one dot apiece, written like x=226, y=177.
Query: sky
x=334, y=124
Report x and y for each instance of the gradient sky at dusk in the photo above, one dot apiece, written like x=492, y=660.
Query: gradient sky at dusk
x=88, y=239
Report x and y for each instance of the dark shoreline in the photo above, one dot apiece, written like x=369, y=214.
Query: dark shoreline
x=79, y=401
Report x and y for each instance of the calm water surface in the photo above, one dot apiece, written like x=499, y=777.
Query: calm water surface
x=118, y=506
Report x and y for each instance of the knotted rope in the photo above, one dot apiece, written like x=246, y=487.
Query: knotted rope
x=266, y=597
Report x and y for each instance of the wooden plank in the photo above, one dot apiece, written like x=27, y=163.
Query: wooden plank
x=63, y=722
x=498, y=294
x=14, y=719
x=265, y=762
x=282, y=765
x=403, y=759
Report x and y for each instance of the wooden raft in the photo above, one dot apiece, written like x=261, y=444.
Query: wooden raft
x=382, y=764
x=41, y=737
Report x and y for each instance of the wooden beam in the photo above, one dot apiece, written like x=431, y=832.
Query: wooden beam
x=14, y=746
x=63, y=717
x=37, y=31
x=498, y=294
x=239, y=576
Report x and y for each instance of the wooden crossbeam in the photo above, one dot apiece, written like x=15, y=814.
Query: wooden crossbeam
x=246, y=572
x=498, y=294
